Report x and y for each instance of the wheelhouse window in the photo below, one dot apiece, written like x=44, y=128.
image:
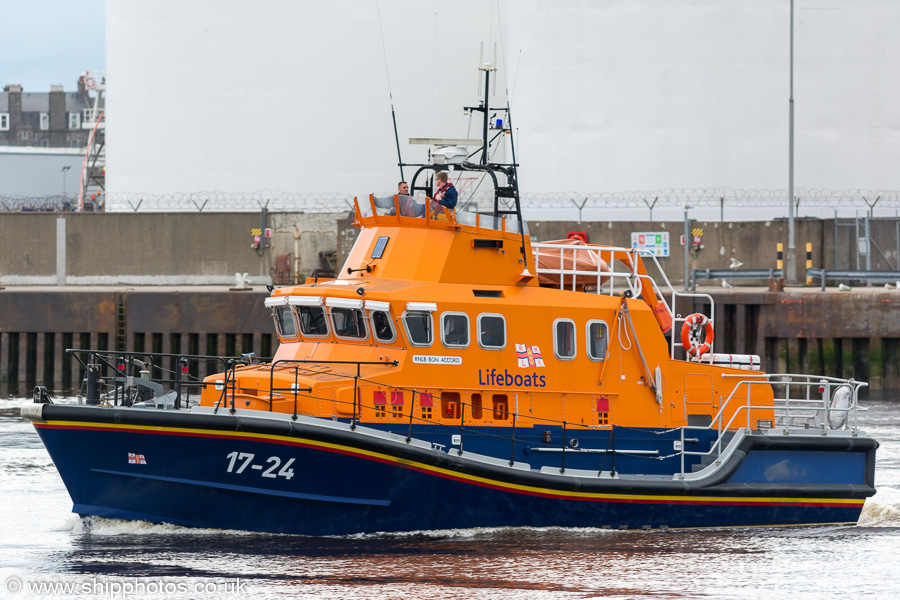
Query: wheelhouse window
x=455, y=330
x=312, y=321
x=597, y=340
x=349, y=323
x=310, y=315
x=382, y=326
x=564, y=339
x=419, y=327
x=285, y=321
x=380, y=321
x=491, y=331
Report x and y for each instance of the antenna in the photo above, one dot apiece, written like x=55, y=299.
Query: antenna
x=480, y=62
x=495, y=64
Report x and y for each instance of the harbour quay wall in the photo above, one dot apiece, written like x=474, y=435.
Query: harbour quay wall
x=849, y=334
x=158, y=248
x=209, y=248
x=38, y=324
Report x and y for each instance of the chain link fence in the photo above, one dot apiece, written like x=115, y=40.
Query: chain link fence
x=279, y=201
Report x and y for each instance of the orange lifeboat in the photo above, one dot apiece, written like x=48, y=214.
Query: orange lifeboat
x=561, y=259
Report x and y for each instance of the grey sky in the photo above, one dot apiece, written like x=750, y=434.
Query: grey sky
x=48, y=42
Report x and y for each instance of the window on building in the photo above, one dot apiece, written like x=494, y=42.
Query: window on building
x=75, y=144
x=74, y=120
x=45, y=121
x=491, y=331
x=24, y=134
x=4, y=121
x=45, y=143
x=285, y=322
x=597, y=340
x=564, y=339
x=419, y=327
x=455, y=330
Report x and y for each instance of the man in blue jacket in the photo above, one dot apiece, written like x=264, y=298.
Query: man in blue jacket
x=445, y=196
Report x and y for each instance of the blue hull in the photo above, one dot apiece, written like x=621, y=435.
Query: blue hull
x=272, y=475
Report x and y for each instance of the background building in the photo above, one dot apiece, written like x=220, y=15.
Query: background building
x=44, y=119
x=43, y=139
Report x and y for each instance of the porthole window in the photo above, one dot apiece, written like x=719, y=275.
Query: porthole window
x=419, y=327
x=597, y=340
x=349, y=323
x=312, y=321
x=455, y=330
x=285, y=323
x=491, y=331
x=564, y=339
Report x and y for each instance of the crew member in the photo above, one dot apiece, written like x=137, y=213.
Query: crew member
x=445, y=196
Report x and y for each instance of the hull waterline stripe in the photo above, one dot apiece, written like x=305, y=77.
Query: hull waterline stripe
x=447, y=474
x=252, y=490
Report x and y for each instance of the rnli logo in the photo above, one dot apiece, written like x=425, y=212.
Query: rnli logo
x=529, y=356
x=136, y=459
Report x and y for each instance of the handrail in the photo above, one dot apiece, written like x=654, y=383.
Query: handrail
x=733, y=274
x=785, y=409
x=810, y=380
x=824, y=274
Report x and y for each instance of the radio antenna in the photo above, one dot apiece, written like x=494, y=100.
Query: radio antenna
x=390, y=92
x=480, y=62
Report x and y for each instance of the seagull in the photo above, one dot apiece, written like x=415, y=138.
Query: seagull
x=844, y=288
x=726, y=285
x=735, y=263
x=889, y=286
x=897, y=285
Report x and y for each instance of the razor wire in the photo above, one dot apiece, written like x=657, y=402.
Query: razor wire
x=329, y=202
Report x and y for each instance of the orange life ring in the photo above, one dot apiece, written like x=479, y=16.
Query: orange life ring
x=691, y=343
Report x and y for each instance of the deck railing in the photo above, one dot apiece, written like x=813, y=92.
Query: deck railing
x=802, y=405
x=616, y=280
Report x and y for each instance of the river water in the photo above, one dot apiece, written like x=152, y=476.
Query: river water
x=46, y=551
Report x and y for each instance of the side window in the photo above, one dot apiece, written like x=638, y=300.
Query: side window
x=491, y=331
x=597, y=340
x=312, y=321
x=382, y=327
x=419, y=327
x=284, y=322
x=564, y=339
x=455, y=330
x=349, y=323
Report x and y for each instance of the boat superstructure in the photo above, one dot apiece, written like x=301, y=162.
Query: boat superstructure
x=455, y=373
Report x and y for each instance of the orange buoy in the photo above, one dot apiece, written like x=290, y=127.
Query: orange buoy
x=692, y=343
